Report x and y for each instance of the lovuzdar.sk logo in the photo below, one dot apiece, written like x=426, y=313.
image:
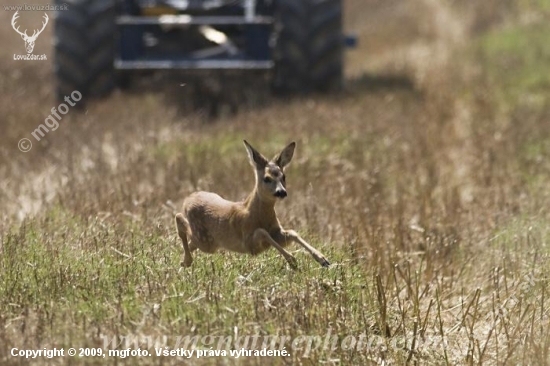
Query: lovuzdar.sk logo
x=29, y=40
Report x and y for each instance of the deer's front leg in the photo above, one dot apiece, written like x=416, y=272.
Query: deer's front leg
x=260, y=235
x=284, y=236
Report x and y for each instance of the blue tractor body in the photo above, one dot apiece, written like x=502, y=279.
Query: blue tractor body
x=299, y=41
x=171, y=38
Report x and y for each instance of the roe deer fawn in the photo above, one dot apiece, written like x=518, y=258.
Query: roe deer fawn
x=209, y=222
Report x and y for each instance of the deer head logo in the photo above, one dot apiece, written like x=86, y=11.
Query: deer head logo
x=29, y=40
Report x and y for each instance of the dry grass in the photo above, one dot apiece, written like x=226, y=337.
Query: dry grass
x=425, y=182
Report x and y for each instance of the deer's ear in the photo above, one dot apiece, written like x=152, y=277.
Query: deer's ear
x=23, y=36
x=256, y=159
x=284, y=157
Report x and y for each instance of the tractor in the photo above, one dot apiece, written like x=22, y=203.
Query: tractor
x=99, y=44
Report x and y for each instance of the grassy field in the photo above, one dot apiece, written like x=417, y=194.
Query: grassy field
x=425, y=183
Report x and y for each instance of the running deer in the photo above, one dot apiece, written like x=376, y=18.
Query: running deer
x=209, y=222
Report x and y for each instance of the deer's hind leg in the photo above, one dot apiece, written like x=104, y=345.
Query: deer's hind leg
x=182, y=226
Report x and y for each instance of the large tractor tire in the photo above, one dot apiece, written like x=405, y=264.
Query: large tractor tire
x=308, y=46
x=84, y=44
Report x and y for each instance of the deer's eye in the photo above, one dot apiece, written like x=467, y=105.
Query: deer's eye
x=268, y=180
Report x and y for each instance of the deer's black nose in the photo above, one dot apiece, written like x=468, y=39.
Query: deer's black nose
x=281, y=193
